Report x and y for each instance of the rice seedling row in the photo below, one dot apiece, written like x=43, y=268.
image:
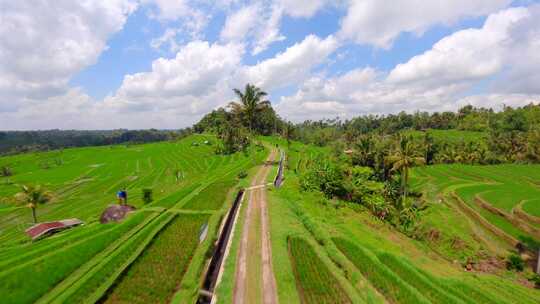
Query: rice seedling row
x=94, y=283
x=381, y=277
x=157, y=273
x=28, y=282
x=316, y=284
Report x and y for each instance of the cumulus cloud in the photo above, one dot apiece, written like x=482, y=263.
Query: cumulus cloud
x=240, y=23
x=438, y=79
x=465, y=55
x=302, y=8
x=506, y=47
x=42, y=48
x=292, y=65
x=260, y=22
x=379, y=22
x=186, y=81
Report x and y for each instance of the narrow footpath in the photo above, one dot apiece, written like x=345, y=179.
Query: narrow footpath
x=254, y=279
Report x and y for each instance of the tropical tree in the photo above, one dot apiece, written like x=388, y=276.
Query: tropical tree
x=251, y=102
x=288, y=131
x=402, y=160
x=33, y=196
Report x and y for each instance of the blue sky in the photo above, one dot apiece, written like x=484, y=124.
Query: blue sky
x=164, y=63
x=130, y=51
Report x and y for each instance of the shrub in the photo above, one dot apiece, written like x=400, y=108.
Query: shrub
x=242, y=174
x=147, y=195
x=6, y=171
x=515, y=262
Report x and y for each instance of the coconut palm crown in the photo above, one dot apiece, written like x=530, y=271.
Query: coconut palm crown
x=403, y=159
x=251, y=102
x=33, y=196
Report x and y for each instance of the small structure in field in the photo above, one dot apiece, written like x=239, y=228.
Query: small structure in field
x=45, y=229
x=115, y=213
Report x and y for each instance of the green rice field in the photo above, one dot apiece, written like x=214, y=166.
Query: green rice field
x=147, y=253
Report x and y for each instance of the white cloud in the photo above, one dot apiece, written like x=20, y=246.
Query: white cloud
x=292, y=65
x=463, y=56
x=168, y=37
x=380, y=22
x=240, y=23
x=260, y=21
x=504, y=50
x=42, y=48
x=302, y=8
x=188, y=82
x=268, y=32
x=169, y=9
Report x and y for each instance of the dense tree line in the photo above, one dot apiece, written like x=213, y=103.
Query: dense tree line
x=12, y=142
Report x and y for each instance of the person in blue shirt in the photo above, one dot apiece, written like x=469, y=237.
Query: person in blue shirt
x=119, y=197
x=122, y=197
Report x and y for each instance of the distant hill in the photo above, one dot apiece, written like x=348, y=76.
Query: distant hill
x=24, y=141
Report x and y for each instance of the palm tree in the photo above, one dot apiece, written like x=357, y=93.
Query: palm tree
x=33, y=196
x=251, y=102
x=402, y=160
x=288, y=133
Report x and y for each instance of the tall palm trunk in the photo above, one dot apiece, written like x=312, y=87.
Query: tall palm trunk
x=34, y=214
x=404, y=181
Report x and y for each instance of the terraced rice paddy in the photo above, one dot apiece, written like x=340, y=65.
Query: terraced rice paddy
x=509, y=189
x=315, y=282
x=152, y=248
x=154, y=276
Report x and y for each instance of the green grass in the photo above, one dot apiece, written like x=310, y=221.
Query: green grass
x=316, y=283
x=156, y=274
x=212, y=197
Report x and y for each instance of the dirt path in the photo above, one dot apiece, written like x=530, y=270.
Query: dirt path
x=254, y=280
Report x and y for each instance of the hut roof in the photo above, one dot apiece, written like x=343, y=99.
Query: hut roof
x=39, y=230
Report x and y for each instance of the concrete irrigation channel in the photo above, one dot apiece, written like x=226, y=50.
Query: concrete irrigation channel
x=212, y=272
x=279, y=176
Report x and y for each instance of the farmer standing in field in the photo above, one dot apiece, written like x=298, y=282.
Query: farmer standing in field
x=122, y=197
x=119, y=197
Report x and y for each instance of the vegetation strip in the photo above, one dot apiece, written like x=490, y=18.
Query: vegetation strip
x=416, y=279
x=96, y=283
x=33, y=280
x=316, y=284
x=94, y=262
x=387, y=282
x=158, y=271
